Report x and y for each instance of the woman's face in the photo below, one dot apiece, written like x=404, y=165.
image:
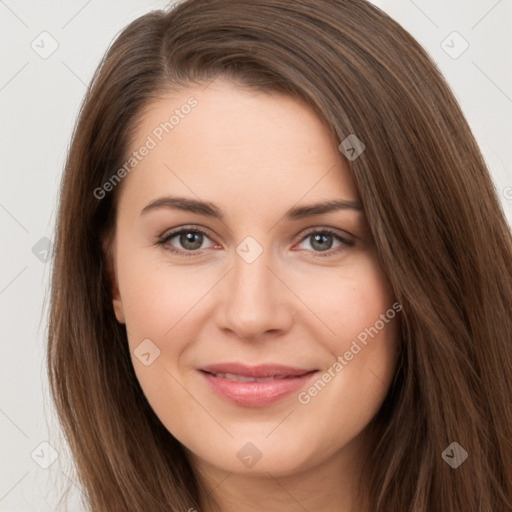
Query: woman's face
x=261, y=331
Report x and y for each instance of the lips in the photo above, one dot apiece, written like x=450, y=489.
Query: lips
x=258, y=372
x=243, y=378
x=254, y=385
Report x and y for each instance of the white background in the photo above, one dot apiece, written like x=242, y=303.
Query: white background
x=39, y=100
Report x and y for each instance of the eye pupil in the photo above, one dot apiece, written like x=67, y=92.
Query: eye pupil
x=188, y=238
x=318, y=238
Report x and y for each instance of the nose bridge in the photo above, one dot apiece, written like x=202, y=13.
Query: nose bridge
x=254, y=301
x=251, y=277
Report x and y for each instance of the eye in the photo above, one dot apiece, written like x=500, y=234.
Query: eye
x=190, y=239
x=322, y=241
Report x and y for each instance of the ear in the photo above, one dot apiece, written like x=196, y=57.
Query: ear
x=107, y=246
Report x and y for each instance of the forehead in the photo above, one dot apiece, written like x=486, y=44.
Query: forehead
x=232, y=144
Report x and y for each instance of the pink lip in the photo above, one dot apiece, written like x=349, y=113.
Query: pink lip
x=255, y=394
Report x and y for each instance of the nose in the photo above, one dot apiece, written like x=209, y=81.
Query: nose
x=254, y=301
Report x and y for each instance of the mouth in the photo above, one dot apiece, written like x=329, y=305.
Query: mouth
x=243, y=378
x=254, y=386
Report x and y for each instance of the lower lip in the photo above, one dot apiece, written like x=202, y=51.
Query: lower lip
x=256, y=394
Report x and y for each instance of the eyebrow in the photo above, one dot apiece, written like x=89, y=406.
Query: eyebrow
x=209, y=209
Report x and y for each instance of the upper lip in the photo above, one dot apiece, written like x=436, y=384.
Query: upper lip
x=262, y=370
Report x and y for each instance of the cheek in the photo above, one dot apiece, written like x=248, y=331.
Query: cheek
x=160, y=306
x=157, y=299
x=365, y=345
x=352, y=300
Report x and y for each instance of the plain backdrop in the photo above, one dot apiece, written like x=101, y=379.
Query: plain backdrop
x=48, y=54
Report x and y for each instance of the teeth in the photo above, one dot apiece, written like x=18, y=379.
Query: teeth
x=241, y=378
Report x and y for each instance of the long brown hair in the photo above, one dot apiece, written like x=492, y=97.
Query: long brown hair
x=439, y=229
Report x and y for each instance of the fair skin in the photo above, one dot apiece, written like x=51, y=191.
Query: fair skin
x=254, y=156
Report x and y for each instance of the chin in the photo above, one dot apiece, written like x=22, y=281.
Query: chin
x=259, y=456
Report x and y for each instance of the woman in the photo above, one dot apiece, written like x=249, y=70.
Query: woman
x=288, y=284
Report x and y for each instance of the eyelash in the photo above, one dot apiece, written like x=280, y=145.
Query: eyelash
x=162, y=241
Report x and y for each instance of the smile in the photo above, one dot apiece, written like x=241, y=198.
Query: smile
x=256, y=386
x=243, y=378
